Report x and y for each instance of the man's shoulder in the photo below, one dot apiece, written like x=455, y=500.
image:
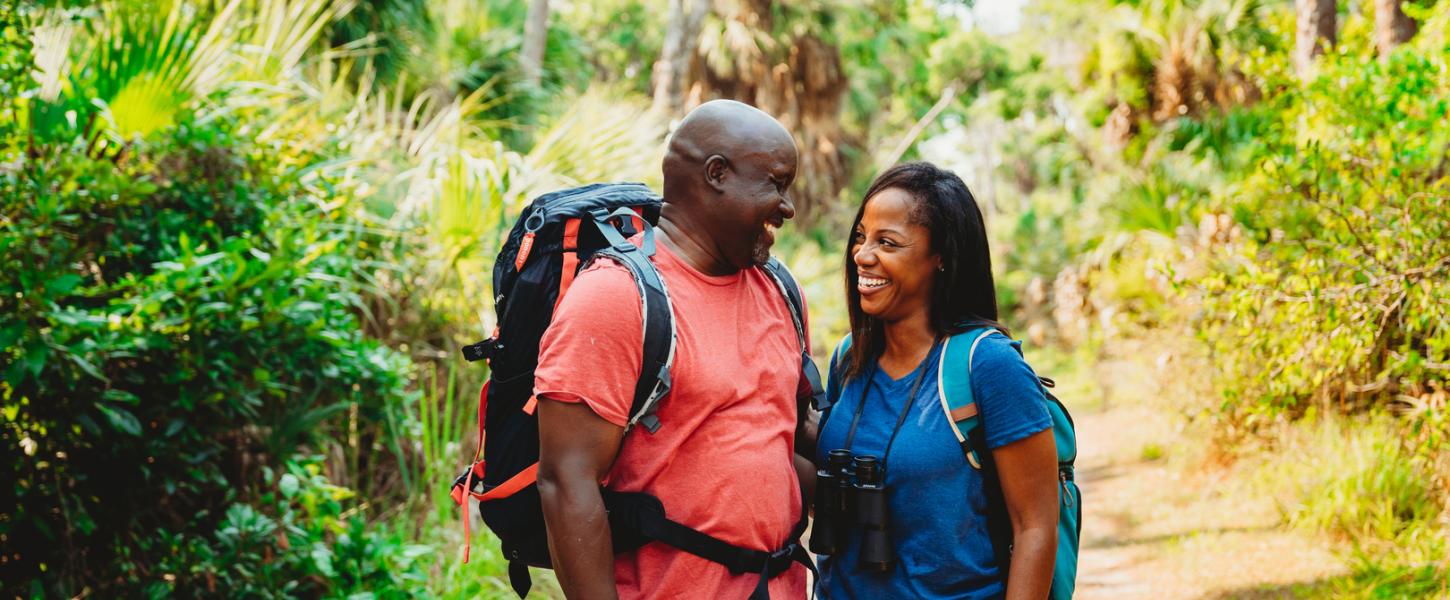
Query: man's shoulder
x=604, y=277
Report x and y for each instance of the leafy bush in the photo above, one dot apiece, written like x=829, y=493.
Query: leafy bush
x=175, y=321
x=298, y=538
x=1338, y=294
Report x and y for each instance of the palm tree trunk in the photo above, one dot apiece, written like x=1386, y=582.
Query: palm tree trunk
x=536, y=32
x=682, y=34
x=1392, y=26
x=1314, y=33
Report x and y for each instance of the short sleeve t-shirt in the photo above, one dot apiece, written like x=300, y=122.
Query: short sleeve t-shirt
x=938, y=510
x=721, y=459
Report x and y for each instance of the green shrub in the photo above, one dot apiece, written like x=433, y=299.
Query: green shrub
x=175, y=320
x=303, y=536
x=1338, y=294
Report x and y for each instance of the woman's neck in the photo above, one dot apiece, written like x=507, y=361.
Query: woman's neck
x=907, y=342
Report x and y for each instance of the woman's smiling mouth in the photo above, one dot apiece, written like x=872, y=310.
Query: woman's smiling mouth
x=867, y=282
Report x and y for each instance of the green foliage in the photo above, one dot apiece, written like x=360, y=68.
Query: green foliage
x=1340, y=296
x=301, y=537
x=1365, y=485
x=1357, y=480
x=145, y=303
x=15, y=65
x=462, y=46
x=223, y=243
x=623, y=37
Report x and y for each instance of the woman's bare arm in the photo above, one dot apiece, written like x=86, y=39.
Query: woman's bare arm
x=1028, y=471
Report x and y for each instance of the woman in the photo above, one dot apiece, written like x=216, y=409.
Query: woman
x=918, y=270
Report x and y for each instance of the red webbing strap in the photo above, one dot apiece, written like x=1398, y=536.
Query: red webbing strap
x=523, y=479
x=474, y=469
x=570, y=255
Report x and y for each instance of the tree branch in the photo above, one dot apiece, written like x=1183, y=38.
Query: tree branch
x=948, y=94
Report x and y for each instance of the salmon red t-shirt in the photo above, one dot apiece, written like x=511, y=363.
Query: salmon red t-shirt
x=721, y=459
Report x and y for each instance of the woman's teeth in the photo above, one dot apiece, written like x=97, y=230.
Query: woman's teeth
x=871, y=282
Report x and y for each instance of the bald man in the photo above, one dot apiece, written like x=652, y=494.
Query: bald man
x=722, y=462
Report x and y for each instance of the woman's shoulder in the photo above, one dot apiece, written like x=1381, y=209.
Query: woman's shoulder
x=1007, y=391
x=984, y=349
x=996, y=350
x=996, y=360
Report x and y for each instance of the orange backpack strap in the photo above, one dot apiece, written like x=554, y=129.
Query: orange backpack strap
x=463, y=486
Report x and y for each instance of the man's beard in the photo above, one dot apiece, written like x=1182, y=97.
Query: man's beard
x=760, y=252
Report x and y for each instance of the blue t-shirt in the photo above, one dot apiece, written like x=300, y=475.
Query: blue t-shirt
x=937, y=504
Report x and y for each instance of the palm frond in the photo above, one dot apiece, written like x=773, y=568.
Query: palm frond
x=600, y=138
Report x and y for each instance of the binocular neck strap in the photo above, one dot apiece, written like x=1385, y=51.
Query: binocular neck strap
x=905, y=408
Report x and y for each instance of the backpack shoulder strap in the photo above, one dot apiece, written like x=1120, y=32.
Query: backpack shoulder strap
x=954, y=387
x=657, y=312
x=788, y=288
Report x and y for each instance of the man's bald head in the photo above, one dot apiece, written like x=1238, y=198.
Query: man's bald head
x=728, y=171
x=725, y=127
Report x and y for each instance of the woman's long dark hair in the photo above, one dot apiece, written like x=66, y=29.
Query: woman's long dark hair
x=963, y=295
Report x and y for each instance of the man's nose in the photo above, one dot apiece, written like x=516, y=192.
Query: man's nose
x=787, y=206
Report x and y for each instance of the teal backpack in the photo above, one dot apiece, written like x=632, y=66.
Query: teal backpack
x=954, y=388
x=954, y=385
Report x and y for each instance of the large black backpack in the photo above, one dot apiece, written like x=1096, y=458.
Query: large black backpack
x=555, y=237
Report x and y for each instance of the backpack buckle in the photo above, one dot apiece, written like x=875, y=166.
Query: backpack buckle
x=484, y=350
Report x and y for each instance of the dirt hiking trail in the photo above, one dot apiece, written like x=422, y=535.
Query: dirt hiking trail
x=1161, y=521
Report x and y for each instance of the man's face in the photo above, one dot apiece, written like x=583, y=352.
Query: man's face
x=755, y=202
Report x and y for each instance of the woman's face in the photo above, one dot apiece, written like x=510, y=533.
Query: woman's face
x=895, y=266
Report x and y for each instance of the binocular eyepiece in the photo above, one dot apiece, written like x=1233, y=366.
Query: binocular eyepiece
x=851, y=490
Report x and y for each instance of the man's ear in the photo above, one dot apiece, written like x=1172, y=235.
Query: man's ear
x=715, y=168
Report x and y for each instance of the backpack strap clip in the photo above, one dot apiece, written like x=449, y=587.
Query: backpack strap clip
x=484, y=350
x=617, y=241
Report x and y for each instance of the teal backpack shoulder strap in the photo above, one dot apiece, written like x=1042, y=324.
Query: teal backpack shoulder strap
x=954, y=387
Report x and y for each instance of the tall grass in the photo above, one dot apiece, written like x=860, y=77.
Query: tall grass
x=1357, y=480
x=445, y=424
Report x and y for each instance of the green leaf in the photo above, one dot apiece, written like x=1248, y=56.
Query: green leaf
x=121, y=419
x=35, y=358
x=10, y=334
x=86, y=366
x=121, y=396
x=322, y=557
x=288, y=485
x=63, y=285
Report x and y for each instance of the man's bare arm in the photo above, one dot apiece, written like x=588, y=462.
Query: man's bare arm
x=576, y=449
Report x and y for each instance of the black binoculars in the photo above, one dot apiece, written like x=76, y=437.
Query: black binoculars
x=852, y=491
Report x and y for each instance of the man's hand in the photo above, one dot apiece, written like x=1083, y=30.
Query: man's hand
x=576, y=449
